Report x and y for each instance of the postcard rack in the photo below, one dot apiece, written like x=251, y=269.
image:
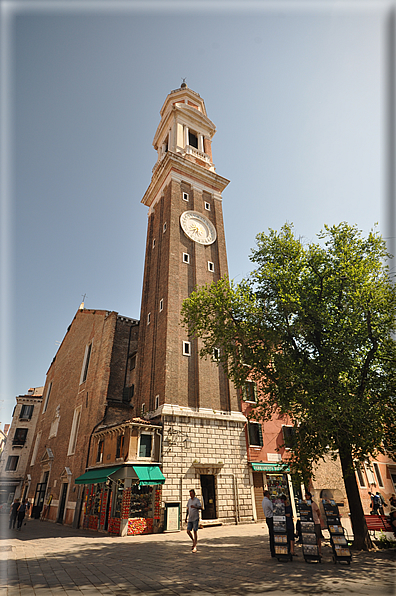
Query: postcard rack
x=309, y=540
x=339, y=544
x=281, y=542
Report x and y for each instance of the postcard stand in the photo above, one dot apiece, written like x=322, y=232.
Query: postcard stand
x=281, y=542
x=309, y=540
x=339, y=544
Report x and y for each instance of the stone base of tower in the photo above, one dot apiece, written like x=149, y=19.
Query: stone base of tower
x=206, y=450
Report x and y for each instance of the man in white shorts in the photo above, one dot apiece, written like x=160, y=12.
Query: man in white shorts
x=192, y=518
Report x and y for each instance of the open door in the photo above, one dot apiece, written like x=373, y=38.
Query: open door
x=208, y=496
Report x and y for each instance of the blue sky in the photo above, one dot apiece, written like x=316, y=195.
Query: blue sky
x=296, y=91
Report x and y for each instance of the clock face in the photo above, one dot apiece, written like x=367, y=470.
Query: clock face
x=198, y=227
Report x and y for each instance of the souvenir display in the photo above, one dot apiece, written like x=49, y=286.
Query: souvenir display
x=281, y=542
x=310, y=543
x=339, y=544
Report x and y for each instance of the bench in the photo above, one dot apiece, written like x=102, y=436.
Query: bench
x=378, y=523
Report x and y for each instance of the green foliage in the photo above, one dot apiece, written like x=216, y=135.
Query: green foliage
x=313, y=325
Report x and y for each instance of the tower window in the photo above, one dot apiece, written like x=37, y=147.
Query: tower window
x=185, y=196
x=154, y=243
x=87, y=357
x=211, y=266
x=47, y=397
x=164, y=228
x=161, y=306
x=216, y=354
x=148, y=318
x=192, y=139
x=186, y=348
x=186, y=258
x=207, y=206
x=26, y=412
x=143, y=409
x=156, y=402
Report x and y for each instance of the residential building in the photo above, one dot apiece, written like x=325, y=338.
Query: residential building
x=18, y=445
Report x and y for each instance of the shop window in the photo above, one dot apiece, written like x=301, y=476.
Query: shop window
x=288, y=434
x=145, y=445
x=12, y=463
x=99, y=453
x=378, y=474
x=118, y=494
x=74, y=431
x=249, y=392
x=255, y=434
x=141, y=501
x=19, y=437
x=26, y=412
x=87, y=357
x=95, y=507
x=120, y=446
x=359, y=474
x=47, y=396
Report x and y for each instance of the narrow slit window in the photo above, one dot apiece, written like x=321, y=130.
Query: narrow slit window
x=216, y=354
x=186, y=348
x=161, y=305
x=359, y=473
x=148, y=318
x=164, y=228
x=186, y=257
x=47, y=397
x=185, y=196
x=156, y=402
x=154, y=243
x=207, y=206
x=211, y=266
x=87, y=357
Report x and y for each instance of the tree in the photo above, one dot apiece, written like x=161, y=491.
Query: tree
x=313, y=325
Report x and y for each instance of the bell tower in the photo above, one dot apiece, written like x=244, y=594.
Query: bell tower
x=192, y=398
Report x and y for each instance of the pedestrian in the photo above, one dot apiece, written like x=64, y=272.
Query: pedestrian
x=21, y=513
x=13, y=513
x=289, y=523
x=392, y=500
x=192, y=518
x=268, y=510
x=317, y=519
x=382, y=503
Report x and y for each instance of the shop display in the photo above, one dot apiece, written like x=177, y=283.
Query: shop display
x=341, y=552
x=277, y=485
x=281, y=542
x=309, y=540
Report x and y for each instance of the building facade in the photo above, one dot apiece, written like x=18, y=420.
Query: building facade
x=15, y=455
x=204, y=444
x=89, y=383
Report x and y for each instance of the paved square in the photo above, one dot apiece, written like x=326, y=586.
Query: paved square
x=46, y=558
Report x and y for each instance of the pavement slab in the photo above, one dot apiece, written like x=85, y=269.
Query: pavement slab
x=47, y=558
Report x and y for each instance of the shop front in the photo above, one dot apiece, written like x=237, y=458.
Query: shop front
x=122, y=500
x=273, y=477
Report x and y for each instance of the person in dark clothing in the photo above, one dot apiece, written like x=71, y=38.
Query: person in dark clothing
x=289, y=523
x=13, y=513
x=23, y=508
x=268, y=510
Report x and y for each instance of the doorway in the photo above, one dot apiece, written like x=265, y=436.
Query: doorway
x=208, y=496
x=62, y=503
x=39, y=497
x=258, y=485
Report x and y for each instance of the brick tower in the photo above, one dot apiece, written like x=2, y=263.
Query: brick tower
x=204, y=442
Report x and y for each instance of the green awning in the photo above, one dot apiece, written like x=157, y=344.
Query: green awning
x=267, y=467
x=96, y=476
x=149, y=475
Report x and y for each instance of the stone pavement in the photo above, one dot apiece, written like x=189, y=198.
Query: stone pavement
x=45, y=559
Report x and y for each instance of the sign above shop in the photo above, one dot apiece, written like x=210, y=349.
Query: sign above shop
x=269, y=467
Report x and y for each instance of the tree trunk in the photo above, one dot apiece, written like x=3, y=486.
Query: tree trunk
x=362, y=540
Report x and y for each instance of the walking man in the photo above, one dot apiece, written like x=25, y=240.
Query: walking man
x=13, y=513
x=23, y=508
x=192, y=518
x=268, y=509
